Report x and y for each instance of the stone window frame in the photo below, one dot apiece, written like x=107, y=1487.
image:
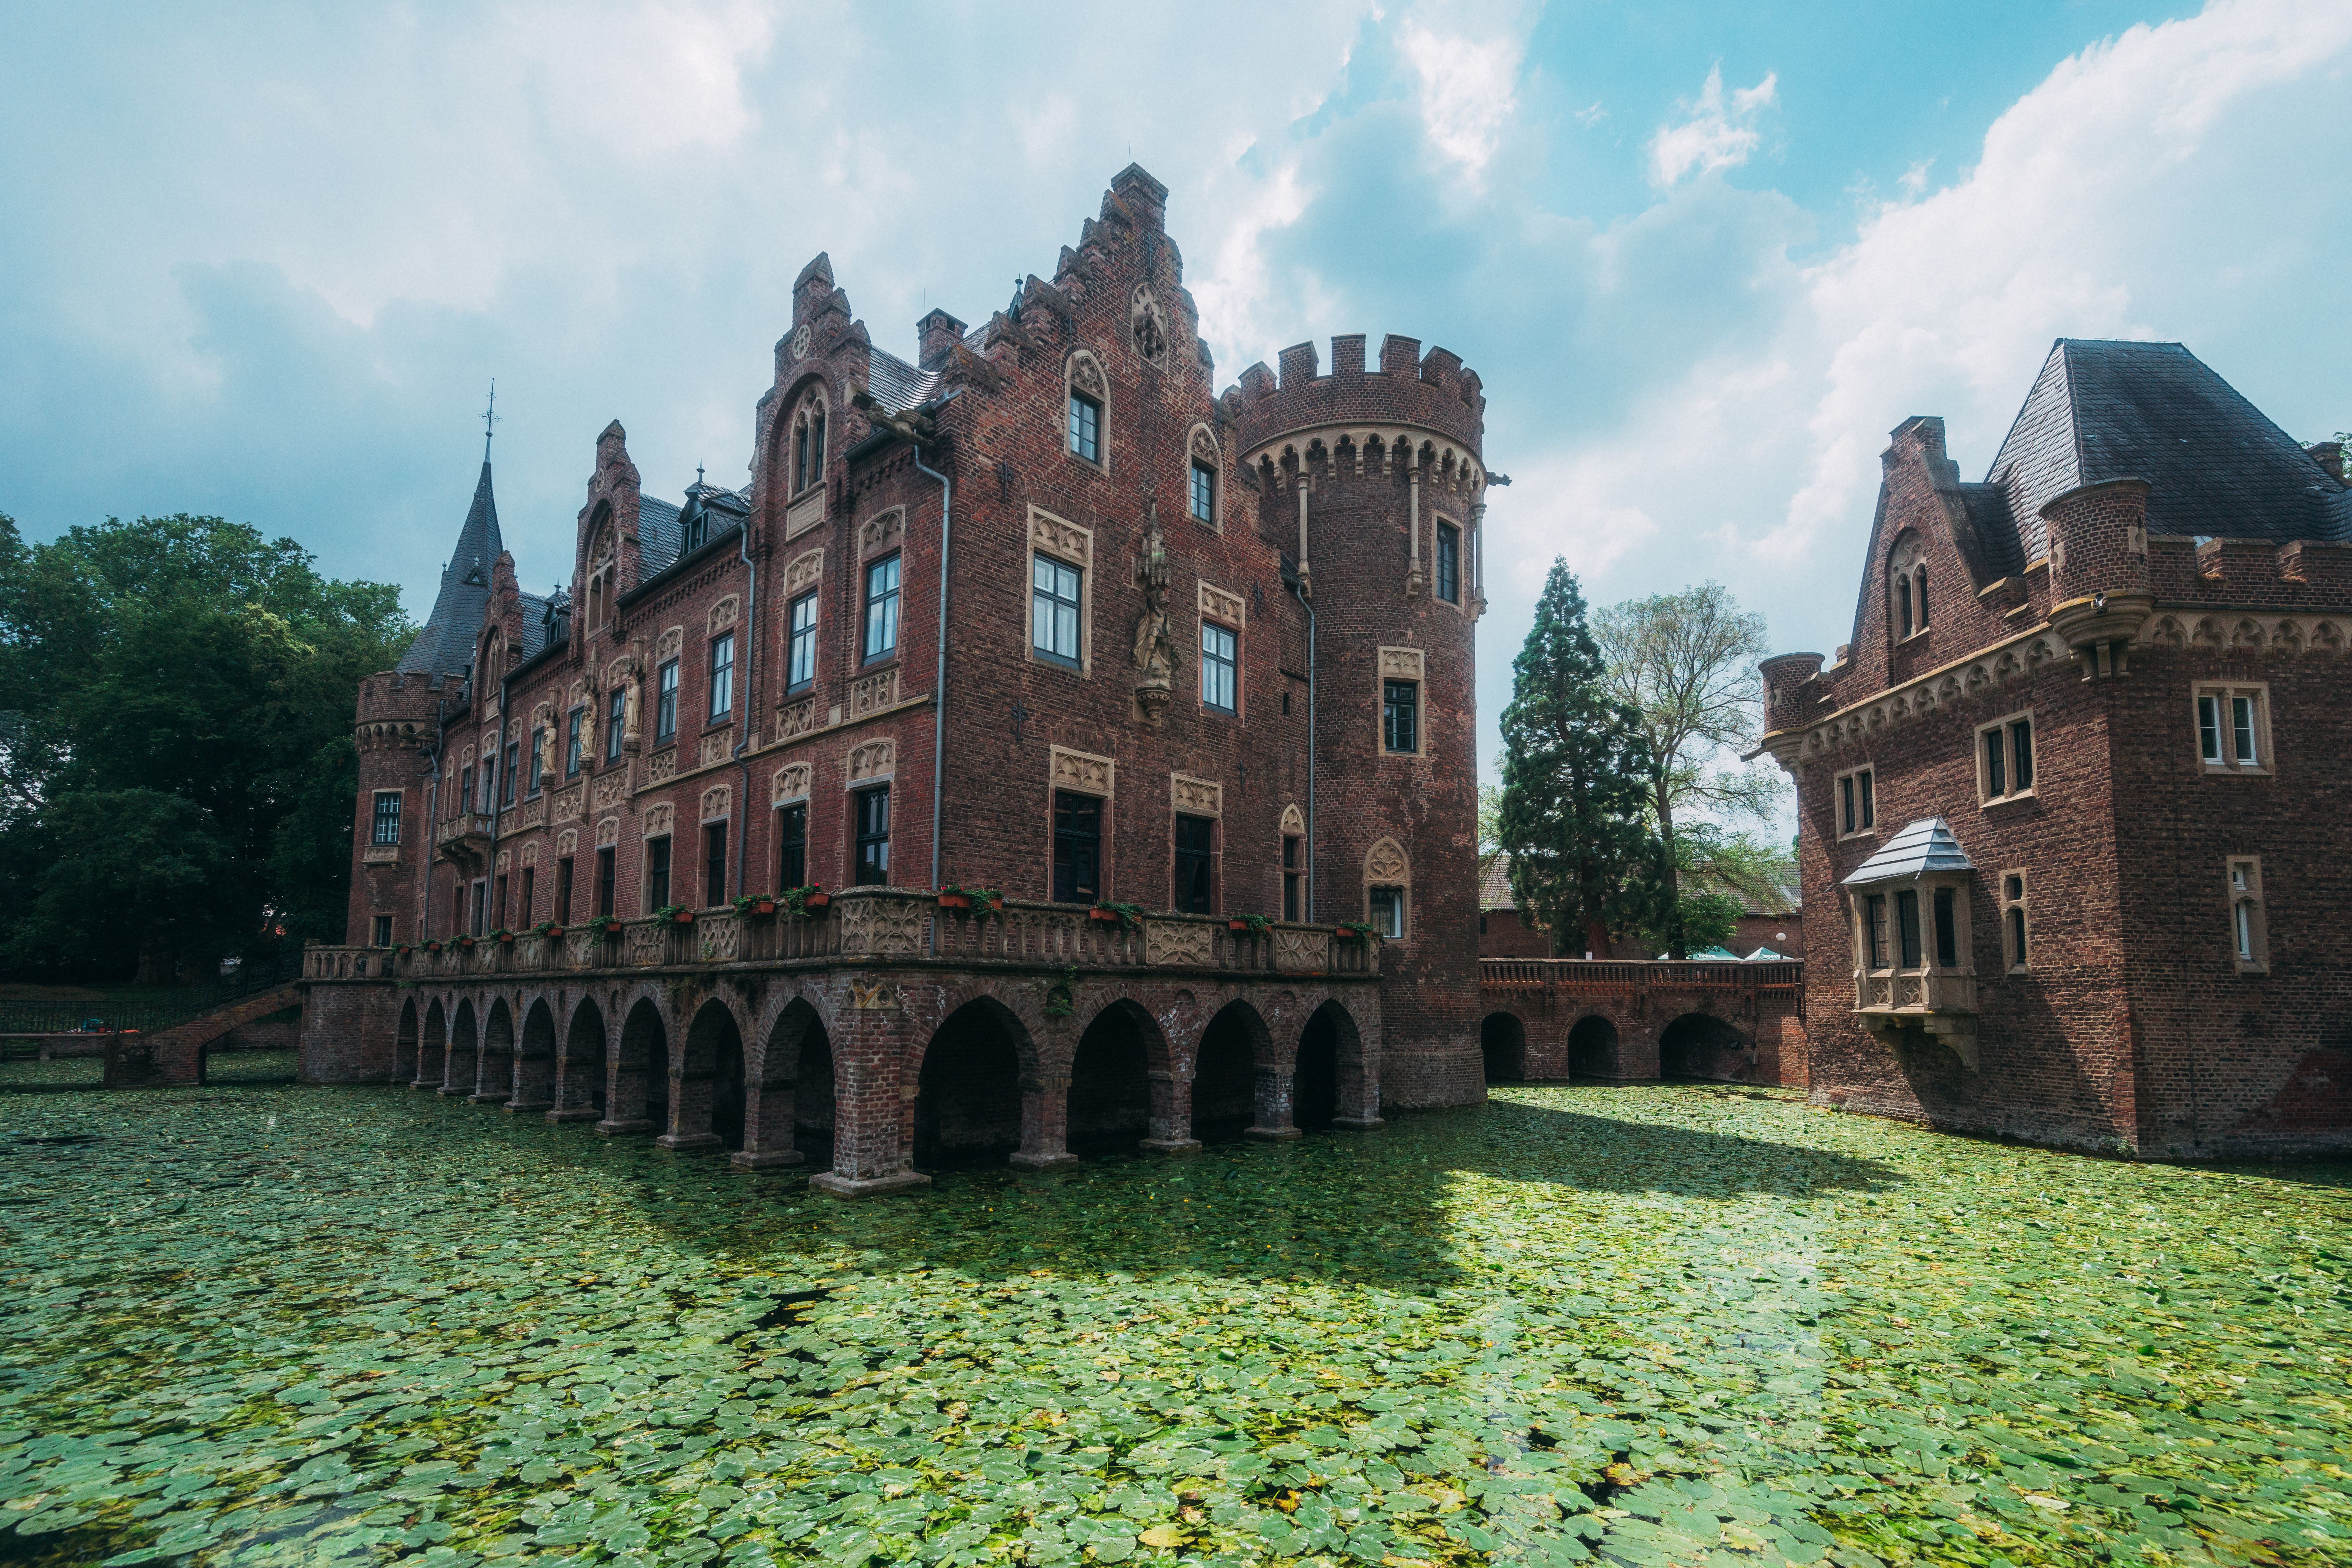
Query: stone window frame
x=1292, y=829
x=1396, y=873
x=1203, y=451
x=1083, y=375
x=2012, y=790
x=1907, y=587
x=1888, y=895
x=1071, y=772
x=1438, y=523
x=717, y=808
x=2222, y=693
x=2016, y=903
x=1860, y=783
x=803, y=579
x=378, y=821
x=1399, y=663
x=600, y=579
x=2247, y=912
x=1198, y=797
x=658, y=822
x=1217, y=607
x=812, y=416
x=1058, y=538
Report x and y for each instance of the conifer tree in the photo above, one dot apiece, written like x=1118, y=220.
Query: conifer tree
x=1576, y=778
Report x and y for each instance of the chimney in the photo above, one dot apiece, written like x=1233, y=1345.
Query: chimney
x=939, y=333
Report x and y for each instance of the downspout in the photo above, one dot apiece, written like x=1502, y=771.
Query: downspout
x=940, y=676
x=498, y=795
x=433, y=817
x=746, y=727
x=1298, y=586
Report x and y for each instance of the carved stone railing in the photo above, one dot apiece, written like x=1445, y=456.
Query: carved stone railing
x=888, y=925
x=1904, y=1007
x=1592, y=975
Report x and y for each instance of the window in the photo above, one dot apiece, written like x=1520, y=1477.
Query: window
x=1401, y=715
x=457, y=909
x=561, y=913
x=530, y=894
x=792, y=846
x=1205, y=492
x=871, y=812
x=2005, y=758
x=1857, y=803
x=1077, y=848
x=722, y=676
x=1085, y=426
x=1195, y=841
x=2233, y=729
x=1053, y=610
x=1906, y=926
x=615, y=708
x=386, y=829
x=1293, y=879
x=1874, y=927
x=605, y=879
x=513, y=760
x=2249, y=926
x=571, y=752
x=489, y=783
x=1948, y=928
x=1217, y=667
x=1449, y=563
x=800, y=653
x=714, y=864
x=656, y=873
x=1387, y=910
x=881, y=608
x=466, y=790
x=808, y=447
x=537, y=775
x=480, y=926
x=2014, y=921
x=665, y=701
x=1906, y=587
x=383, y=931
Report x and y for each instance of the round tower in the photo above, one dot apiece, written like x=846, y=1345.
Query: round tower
x=392, y=836
x=1373, y=478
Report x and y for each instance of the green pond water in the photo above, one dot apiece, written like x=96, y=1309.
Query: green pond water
x=1656, y=1325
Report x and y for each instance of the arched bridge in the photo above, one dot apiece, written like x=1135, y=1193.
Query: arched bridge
x=1554, y=1018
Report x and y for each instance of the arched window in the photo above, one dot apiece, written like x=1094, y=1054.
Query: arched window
x=1906, y=587
x=1387, y=890
x=600, y=592
x=1087, y=422
x=808, y=442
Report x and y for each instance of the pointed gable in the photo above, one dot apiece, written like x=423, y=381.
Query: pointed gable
x=445, y=646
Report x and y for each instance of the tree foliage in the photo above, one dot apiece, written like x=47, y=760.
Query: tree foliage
x=1576, y=777
x=180, y=759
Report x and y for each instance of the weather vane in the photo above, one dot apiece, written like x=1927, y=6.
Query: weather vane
x=489, y=417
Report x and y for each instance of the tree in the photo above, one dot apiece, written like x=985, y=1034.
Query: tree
x=183, y=659
x=1684, y=663
x=1575, y=776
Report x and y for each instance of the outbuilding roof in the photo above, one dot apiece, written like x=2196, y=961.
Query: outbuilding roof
x=1923, y=845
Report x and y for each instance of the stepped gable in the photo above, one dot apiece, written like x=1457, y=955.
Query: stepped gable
x=1434, y=390
x=2217, y=466
x=445, y=646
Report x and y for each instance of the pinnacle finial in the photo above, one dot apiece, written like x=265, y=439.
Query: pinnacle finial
x=489, y=419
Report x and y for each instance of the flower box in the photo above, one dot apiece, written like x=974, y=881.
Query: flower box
x=955, y=901
x=684, y=917
x=1108, y=917
x=764, y=905
x=817, y=901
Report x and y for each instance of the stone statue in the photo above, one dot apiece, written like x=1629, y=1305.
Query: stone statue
x=629, y=708
x=588, y=732
x=1155, y=649
x=547, y=753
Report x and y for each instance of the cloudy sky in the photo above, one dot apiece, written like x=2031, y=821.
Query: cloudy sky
x=262, y=260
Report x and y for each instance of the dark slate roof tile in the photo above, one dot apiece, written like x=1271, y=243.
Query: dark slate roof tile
x=445, y=646
x=657, y=535
x=897, y=385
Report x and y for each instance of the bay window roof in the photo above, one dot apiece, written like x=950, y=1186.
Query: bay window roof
x=1922, y=846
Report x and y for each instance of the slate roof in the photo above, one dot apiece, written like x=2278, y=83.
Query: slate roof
x=2108, y=410
x=661, y=533
x=1495, y=886
x=1926, y=844
x=898, y=385
x=445, y=646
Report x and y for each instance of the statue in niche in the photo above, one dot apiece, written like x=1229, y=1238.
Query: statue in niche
x=1155, y=648
x=631, y=693
x=588, y=732
x=547, y=752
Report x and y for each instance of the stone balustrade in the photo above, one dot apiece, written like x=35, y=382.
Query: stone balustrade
x=1506, y=975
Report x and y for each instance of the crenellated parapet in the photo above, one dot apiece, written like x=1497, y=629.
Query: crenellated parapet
x=1420, y=414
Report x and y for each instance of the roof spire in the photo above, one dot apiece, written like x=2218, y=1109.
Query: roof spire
x=489, y=417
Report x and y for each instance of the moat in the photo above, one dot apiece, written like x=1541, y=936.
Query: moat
x=256, y=1324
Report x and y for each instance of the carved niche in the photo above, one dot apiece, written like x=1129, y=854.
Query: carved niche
x=792, y=783
x=657, y=820
x=804, y=570
x=874, y=760
x=1082, y=771
x=1196, y=797
x=716, y=800
x=881, y=533
x=1150, y=329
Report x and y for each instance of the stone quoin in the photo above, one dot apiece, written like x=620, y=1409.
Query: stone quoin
x=1038, y=611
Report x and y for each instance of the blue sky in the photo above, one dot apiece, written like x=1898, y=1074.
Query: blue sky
x=263, y=260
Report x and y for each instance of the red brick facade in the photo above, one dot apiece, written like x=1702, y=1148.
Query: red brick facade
x=1355, y=458
x=2132, y=1023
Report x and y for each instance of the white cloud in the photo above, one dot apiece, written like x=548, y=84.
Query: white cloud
x=1719, y=134
x=1467, y=88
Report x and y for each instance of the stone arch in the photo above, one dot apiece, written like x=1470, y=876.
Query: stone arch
x=1699, y=1045
x=706, y=1081
x=1907, y=586
x=642, y=1060
x=792, y=1094
x=579, y=1068
x=403, y=1043
x=979, y=1091
x=802, y=462
x=1329, y=1083
x=494, y=1072
x=1592, y=1048
x=432, y=1046
x=1235, y=1056
x=1503, y=1041
x=534, y=1069
x=1386, y=866
x=464, y=1045
x=1118, y=1054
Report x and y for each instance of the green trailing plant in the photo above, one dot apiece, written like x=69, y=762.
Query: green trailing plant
x=1061, y=997
x=671, y=912
x=1258, y=924
x=1356, y=931
x=793, y=902
x=544, y=928
x=604, y=926
x=747, y=903
x=501, y=934
x=1130, y=916
x=983, y=899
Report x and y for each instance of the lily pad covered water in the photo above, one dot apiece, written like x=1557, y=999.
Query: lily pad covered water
x=1670, y=1325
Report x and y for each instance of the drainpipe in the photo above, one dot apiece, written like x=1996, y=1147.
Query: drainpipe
x=746, y=727
x=1300, y=588
x=940, y=676
x=433, y=815
x=498, y=795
